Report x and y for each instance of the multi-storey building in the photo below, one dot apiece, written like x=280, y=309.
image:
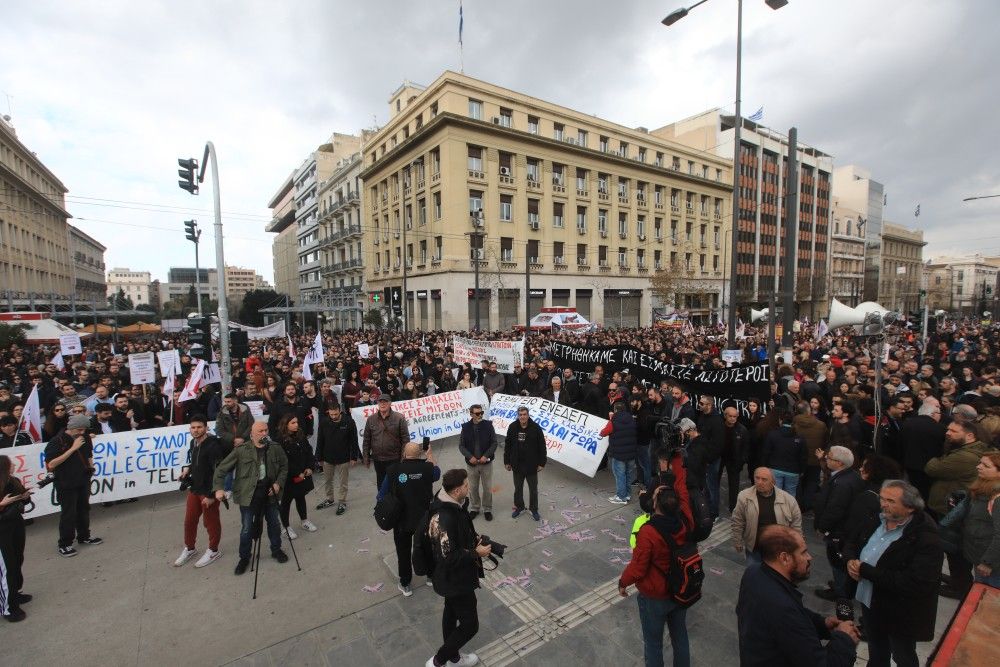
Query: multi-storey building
x=973, y=281
x=468, y=174
x=285, y=247
x=855, y=190
x=847, y=255
x=760, y=233
x=316, y=169
x=902, y=267
x=340, y=247
x=239, y=281
x=35, y=260
x=135, y=285
x=88, y=267
x=937, y=278
x=180, y=280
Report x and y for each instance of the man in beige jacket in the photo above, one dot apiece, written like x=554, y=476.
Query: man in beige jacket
x=762, y=505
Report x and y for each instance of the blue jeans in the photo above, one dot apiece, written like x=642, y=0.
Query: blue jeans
x=645, y=465
x=654, y=614
x=228, y=485
x=786, y=481
x=246, y=530
x=712, y=486
x=992, y=580
x=624, y=472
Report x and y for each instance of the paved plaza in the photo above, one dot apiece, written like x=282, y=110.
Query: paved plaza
x=554, y=596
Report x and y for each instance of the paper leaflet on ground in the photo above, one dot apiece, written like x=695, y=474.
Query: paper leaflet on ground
x=572, y=436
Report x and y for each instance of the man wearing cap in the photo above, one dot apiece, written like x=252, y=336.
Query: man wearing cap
x=69, y=457
x=385, y=434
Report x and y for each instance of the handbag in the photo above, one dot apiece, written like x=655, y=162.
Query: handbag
x=388, y=511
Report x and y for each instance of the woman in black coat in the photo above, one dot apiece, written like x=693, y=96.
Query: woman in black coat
x=12, y=537
x=301, y=464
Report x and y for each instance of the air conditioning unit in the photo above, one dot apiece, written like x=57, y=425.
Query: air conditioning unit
x=604, y=263
x=396, y=234
x=604, y=233
x=496, y=120
x=505, y=171
x=570, y=140
x=560, y=260
x=642, y=237
x=581, y=229
x=581, y=261
x=622, y=235
x=534, y=224
x=478, y=253
x=533, y=260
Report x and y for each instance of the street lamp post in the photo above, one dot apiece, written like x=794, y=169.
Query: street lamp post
x=672, y=18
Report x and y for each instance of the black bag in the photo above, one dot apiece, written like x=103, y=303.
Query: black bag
x=422, y=556
x=701, y=514
x=388, y=511
x=687, y=571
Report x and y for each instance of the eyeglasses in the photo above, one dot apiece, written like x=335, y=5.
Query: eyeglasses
x=477, y=414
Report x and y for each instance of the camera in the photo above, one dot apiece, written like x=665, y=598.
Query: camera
x=497, y=549
x=669, y=434
x=845, y=609
x=45, y=481
x=185, y=484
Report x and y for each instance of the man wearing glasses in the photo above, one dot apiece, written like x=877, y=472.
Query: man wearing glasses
x=478, y=444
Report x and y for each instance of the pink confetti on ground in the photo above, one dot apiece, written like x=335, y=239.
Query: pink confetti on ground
x=619, y=518
x=374, y=589
x=715, y=570
x=545, y=567
x=367, y=539
x=362, y=551
x=621, y=550
x=547, y=553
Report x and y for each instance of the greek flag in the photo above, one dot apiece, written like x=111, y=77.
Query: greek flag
x=916, y=213
x=757, y=115
x=461, y=21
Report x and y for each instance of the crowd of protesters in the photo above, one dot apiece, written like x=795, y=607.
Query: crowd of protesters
x=895, y=472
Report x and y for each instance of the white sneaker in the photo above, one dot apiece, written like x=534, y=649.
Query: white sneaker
x=185, y=556
x=405, y=590
x=615, y=500
x=310, y=526
x=209, y=557
x=466, y=660
x=291, y=534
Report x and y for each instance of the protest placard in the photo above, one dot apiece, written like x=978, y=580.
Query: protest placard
x=506, y=353
x=168, y=358
x=69, y=343
x=437, y=416
x=141, y=368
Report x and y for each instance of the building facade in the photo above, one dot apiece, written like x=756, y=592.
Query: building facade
x=847, y=255
x=35, y=260
x=855, y=190
x=760, y=235
x=341, y=253
x=940, y=294
x=973, y=280
x=88, y=267
x=469, y=175
x=135, y=285
x=239, y=281
x=316, y=169
x=902, y=268
x=180, y=280
x=284, y=248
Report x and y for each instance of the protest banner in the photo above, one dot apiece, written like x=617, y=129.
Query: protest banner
x=363, y=350
x=732, y=356
x=69, y=343
x=213, y=375
x=168, y=359
x=126, y=465
x=141, y=368
x=751, y=381
x=506, y=353
x=257, y=410
x=438, y=416
x=572, y=437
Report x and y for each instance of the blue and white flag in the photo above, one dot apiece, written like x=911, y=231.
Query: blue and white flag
x=757, y=115
x=821, y=330
x=461, y=21
x=916, y=213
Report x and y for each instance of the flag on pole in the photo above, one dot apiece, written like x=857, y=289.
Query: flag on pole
x=315, y=353
x=741, y=329
x=461, y=23
x=757, y=115
x=821, y=330
x=58, y=362
x=31, y=416
x=193, y=385
x=307, y=373
x=114, y=354
x=916, y=212
x=291, y=348
x=168, y=384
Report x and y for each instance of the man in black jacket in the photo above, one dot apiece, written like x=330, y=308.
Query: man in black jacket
x=457, y=553
x=712, y=429
x=9, y=435
x=524, y=454
x=289, y=404
x=592, y=400
x=833, y=507
x=478, y=444
x=411, y=481
x=204, y=454
x=897, y=576
x=735, y=441
x=775, y=629
x=923, y=439
x=69, y=456
x=337, y=448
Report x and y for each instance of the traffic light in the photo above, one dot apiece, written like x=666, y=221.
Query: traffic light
x=189, y=175
x=239, y=344
x=397, y=300
x=200, y=337
x=191, y=230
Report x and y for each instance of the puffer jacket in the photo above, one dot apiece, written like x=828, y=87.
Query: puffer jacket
x=783, y=450
x=622, y=432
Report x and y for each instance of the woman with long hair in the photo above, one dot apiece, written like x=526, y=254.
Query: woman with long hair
x=466, y=382
x=407, y=392
x=301, y=463
x=818, y=410
x=351, y=391
x=55, y=421
x=12, y=498
x=981, y=527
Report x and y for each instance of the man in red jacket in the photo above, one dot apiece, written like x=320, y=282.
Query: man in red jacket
x=651, y=560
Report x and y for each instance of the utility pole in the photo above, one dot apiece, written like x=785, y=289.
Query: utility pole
x=476, y=239
x=193, y=234
x=527, y=291
x=791, y=232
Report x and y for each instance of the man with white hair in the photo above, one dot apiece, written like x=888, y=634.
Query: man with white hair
x=833, y=505
x=761, y=505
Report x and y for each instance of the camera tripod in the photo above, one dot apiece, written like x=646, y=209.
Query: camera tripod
x=257, y=533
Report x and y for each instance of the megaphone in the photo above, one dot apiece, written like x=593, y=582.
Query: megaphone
x=845, y=316
x=939, y=313
x=758, y=314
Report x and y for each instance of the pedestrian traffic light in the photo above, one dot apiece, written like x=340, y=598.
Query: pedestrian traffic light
x=397, y=300
x=191, y=230
x=200, y=337
x=189, y=175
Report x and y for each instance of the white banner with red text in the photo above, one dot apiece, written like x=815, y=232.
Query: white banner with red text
x=572, y=436
x=437, y=416
x=506, y=353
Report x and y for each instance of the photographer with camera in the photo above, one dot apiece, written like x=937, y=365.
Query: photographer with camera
x=457, y=553
x=13, y=499
x=204, y=454
x=261, y=469
x=411, y=482
x=69, y=457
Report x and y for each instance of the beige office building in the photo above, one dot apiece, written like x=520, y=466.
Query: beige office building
x=591, y=208
x=847, y=255
x=340, y=247
x=973, y=282
x=88, y=267
x=35, y=260
x=902, y=267
x=239, y=281
x=135, y=285
x=284, y=248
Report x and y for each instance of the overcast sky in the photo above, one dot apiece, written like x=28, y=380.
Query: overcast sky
x=110, y=93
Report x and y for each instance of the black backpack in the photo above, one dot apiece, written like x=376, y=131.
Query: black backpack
x=422, y=556
x=389, y=510
x=686, y=574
